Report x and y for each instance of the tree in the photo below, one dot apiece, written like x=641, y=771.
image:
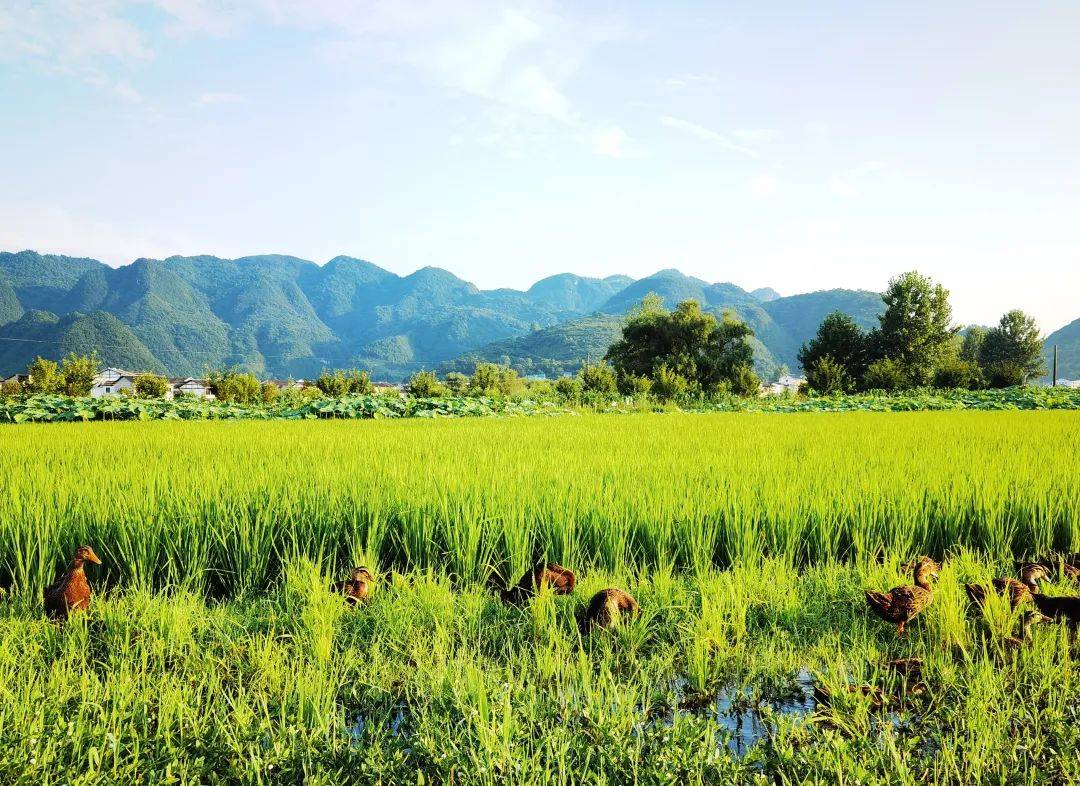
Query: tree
x=915, y=327
x=827, y=377
x=669, y=385
x=338, y=383
x=885, y=374
x=151, y=386
x=424, y=384
x=568, y=388
x=745, y=382
x=456, y=382
x=844, y=343
x=1012, y=351
x=971, y=344
x=269, y=392
x=598, y=378
x=11, y=389
x=235, y=387
x=695, y=345
x=634, y=386
x=44, y=376
x=958, y=374
x=489, y=379
x=78, y=372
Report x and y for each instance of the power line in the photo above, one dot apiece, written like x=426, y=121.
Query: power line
x=204, y=353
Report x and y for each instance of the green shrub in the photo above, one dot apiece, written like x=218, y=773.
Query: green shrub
x=151, y=386
x=886, y=375
x=826, y=377
x=424, y=384
x=598, y=378
x=568, y=389
x=669, y=385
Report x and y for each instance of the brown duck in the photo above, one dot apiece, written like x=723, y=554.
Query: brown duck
x=1062, y=607
x=71, y=592
x=558, y=579
x=607, y=608
x=901, y=604
x=357, y=588
x=1067, y=564
x=1027, y=619
x=1018, y=591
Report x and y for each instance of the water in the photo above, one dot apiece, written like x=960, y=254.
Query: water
x=396, y=726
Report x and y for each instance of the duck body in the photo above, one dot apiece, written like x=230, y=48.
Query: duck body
x=560, y=580
x=357, y=588
x=607, y=608
x=71, y=591
x=1017, y=592
x=900, y=605
x=1059, y=608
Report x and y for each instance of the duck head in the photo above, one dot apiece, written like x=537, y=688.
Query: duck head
x=362, y=575
x=85, y=554
x=1032, y=574
x=925, y=570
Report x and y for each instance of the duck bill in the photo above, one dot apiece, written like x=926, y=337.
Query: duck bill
x=92, y=557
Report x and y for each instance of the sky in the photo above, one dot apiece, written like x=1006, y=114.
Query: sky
x=796, y=145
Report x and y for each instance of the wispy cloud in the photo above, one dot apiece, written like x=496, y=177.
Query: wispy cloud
x=213, y=98
x=611, y=142
x=708, y=135
x=756, y=136
x=686, y=80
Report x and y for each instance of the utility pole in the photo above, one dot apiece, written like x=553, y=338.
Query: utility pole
x=1055, y=365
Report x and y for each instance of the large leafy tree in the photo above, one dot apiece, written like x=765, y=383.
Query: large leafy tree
x=844, y=343
x=703, y=350
x=1012, y=351
x=915, y=331
x=79, y=372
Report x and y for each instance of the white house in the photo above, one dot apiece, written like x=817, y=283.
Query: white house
x=112, y=386
x=786, y=384
x=189, y=386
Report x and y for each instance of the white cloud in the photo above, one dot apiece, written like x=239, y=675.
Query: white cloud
x=756, y=136
x=685, y=80
x=610, y=142
x=708, y=135
x=521, y=57
x=212, y=98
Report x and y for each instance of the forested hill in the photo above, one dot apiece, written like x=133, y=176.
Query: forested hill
x=282, y=316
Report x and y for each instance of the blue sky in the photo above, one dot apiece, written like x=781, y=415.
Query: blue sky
x=787, y=144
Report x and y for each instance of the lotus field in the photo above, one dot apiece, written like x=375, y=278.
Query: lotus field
x=214, y=652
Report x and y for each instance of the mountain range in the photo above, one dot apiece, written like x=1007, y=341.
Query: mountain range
x=280, y=316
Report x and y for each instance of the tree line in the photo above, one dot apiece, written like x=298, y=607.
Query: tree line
x=683, y=354
x=915, y=345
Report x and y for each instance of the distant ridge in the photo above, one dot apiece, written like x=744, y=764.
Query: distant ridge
x=283, y=316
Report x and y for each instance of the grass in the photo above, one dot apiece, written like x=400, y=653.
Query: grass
x=439, y=683
x=220, y=507
x=215, y=654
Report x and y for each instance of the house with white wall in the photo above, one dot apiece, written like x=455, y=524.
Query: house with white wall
x=112, y=386
x=189, y=386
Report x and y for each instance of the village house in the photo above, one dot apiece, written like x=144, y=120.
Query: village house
x=106, y=385
x=785, y=384
x=189, y=386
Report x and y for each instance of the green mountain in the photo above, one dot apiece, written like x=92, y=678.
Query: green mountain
x=1068, y=344
x=282, y=316
x=40, y=333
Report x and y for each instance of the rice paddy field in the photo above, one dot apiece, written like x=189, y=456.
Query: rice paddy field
x=214, y=652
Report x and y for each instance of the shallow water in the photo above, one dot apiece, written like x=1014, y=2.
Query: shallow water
x=361, y=723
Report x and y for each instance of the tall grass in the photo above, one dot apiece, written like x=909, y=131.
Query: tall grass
x=220, y=507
